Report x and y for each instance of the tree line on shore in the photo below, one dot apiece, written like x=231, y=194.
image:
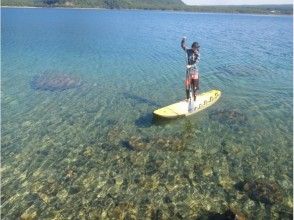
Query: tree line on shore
x=153, y=5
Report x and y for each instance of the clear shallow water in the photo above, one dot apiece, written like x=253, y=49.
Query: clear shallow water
x=95, y=152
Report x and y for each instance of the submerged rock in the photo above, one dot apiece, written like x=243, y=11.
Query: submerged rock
x=262, y=190
x=156, y=214
x=123, y=210
x=54, y=81
x=89, y=152
x=207, y=171
x=136, y=143
x=227, y=215
x=226, y=182
x=115, y=135
x=169, y=143
x=74, y=189
x=29, y=214
x=232, y=118
x=152, y=165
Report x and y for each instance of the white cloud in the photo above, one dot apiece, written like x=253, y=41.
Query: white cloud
x=236, y=2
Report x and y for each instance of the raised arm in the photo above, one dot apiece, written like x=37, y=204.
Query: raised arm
x=183, y=44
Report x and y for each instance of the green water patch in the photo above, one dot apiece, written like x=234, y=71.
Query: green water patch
x=101, y=166
x=157, y=177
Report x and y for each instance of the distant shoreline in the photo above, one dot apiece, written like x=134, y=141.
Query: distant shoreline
x=54, y=7
x=135, y=9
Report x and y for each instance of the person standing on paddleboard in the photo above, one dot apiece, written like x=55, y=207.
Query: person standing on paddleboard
x=192, y=73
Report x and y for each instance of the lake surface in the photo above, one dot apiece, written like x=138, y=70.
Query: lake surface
x=95, y=151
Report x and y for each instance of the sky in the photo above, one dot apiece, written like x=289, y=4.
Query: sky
x=236, y=2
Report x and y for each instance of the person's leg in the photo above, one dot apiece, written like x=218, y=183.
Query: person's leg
x=187, y=85
x=195, y=83
x=194, y=88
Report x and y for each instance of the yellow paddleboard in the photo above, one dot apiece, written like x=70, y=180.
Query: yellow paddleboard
x=186, y=108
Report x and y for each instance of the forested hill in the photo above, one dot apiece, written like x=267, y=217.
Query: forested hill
x=142, y=4
x=152, y=4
